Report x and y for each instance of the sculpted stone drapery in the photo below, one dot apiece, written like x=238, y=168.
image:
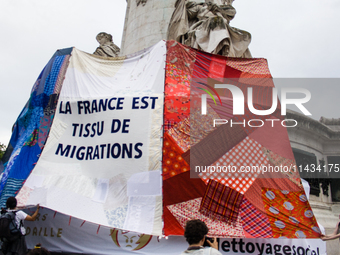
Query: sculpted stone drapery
x=143, y=2
x=106, y=48
x=204, y=25
x=330, y=121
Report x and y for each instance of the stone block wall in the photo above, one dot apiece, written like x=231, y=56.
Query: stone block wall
x=145, y=25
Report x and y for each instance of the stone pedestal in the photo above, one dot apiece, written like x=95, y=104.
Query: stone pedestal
x=145, y=25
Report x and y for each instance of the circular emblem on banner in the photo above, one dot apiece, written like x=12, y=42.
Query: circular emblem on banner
x=129, y=240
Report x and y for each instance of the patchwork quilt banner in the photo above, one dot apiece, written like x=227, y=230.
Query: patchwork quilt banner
x=102, y=159
x=227, y=158
x=146, y=142
x=31, y=129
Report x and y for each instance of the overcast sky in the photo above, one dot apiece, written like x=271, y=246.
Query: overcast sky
x=299, y=38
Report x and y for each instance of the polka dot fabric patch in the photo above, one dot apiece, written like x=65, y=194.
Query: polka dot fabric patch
x=237, y=164
x=290, y=214
x=173, y=163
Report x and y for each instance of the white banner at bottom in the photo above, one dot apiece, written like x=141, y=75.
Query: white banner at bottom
x=61, y=233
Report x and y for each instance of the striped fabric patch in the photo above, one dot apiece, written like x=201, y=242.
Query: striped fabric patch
x=11, y=188
x=221, y=202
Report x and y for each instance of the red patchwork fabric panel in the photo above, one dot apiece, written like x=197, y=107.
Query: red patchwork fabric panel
x=203, y=131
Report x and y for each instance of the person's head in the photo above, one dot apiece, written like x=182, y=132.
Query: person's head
x=11, y=203
x=195, y=231
x=103, y=38
x=38, y=250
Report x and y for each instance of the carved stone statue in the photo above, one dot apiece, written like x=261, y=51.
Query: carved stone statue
x=106, y=48
x=143, y=2
x=204, y=25
x=330, y=121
